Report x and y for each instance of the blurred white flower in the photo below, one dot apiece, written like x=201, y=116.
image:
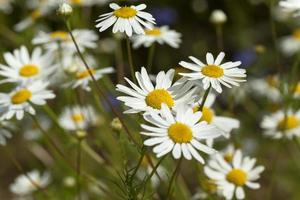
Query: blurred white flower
x=290, y=44
x=280, y=125
x=125, y=19
x=22, y=67
x=231, y=178
x=20, y=100
x=5, y=131
x=161, y=35
x=5, y=6
x=291, y=6
x=23, y=185
x=218, y=17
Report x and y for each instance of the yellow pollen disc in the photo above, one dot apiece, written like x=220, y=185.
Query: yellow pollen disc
x=125, y=12
x=237, y=177
x=35, y=14
x=288, y=122
x=77, y=117
x=209, y=185
x=272, y=81
x=212, y=71
x=59, y=35
x=76, y=1
x=21, y=96
x=153, y=32
x=228, y=157
x=84, y=74
x=180, y=133
x=207, y=115
x=29, y=70
x=155, y=98
x=297, y=90
x=296, y=34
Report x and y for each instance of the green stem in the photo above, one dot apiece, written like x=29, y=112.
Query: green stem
x=150, y=57
x=130, y=60
x=99, y=90
x=173, y=177
x=219, y=32
x=78, y=169
x=143, y=152
x=204, y=98
x=153, y=171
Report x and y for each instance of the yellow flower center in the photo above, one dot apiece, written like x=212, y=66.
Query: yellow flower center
x=297, y=89
x=78, y=117
x=153, y=32
x=125, y=12
x=59, y=35
x=296, y=34
x=21, y=96
x=207, y=115
x=237, y=177
x=209, y=185
x=272, y=81
x=76, y=1
x=84, y=74
x=212, y=71
x=35, y=14
x=228, y=157
x=288, y=122
x=29, y=70
x=155, y=98
x=180, y=133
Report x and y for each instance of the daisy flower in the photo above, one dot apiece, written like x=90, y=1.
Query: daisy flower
x=78, y=118
x=280, y=125
x=291, y=6
x=146, y=97
x=82, y=77
x=22, y=67
x=23, y=186
x=20, y=99
x=161, y=35
x=290, y=44
x=231, y=178
x=126, y=19
x=225, y=124
x=178, y=133
x=5, y=131
x=214, y=73
x=53, y=41
x=268, y=86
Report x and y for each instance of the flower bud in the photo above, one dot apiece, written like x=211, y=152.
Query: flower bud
x=218, y=17
x=65, y=10
x=116, y=124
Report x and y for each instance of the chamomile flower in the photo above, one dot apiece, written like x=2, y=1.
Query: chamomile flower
x=280, y=125
x=291, y=6
x=290, y=44
x=231, y=178
x=178, y=133
x=82, y=76
x=19, y=101
x=225, y=124
x=5, y=131
x=147, y=97
x=22, y=67
x=26, y=185
x=78, y=118
x=214, y=73
x=161, y=35
x=53, y=41
x=125, y=19
x=268, y=86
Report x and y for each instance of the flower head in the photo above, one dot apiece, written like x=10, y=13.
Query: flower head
x=125, y=19
x=214, y=73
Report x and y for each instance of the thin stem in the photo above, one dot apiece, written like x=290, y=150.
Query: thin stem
x=78, y=169
x=219, y=32
x=295, y=139
x=154, y=170
x=99, y=90
x=120, y=63
x=130, y=60
x=204, y=98
x=140, y=161
x=150, y=57
x=173, y=177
